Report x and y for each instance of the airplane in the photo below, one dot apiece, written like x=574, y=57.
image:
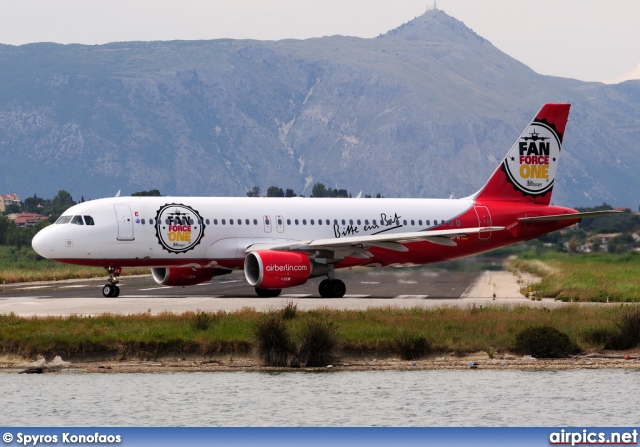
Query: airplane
x=284, y=242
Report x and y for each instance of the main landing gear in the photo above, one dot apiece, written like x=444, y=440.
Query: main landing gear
x=111, y=290
x=332, y=288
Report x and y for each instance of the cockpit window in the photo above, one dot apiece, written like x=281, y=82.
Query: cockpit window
x=63, y=220
x=89, y=220
x=77, y=220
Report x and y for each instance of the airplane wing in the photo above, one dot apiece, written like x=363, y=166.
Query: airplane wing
x=391, y=241
x=558, y=217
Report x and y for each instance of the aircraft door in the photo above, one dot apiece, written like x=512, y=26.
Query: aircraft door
x=125, y=222
x=267, y=224
x=484, y=220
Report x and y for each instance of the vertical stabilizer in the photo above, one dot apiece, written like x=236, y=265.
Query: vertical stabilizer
x=528, y=171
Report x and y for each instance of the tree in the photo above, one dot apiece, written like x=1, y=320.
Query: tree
x=33, y=204
x=289, y=193
x=319, y=190
x=274, y=191
x=150, y=193
x=255, y=192
x=12, y=208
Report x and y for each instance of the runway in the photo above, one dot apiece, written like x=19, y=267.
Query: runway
x=398, y=288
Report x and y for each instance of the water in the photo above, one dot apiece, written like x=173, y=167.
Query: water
x=375, y=398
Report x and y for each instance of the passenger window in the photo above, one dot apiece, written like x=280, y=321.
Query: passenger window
x=404, y=222
x=85, y=218
x=319, y=221
x=374, y=222
x=246, y=221
x=288, y=221
x=428, y=222
x=366, y=221
x=311, y=221
x=296, y=221
x=150, y=221
x=304, y=221
x=350, y=221
x=335, y=221
x=328, y=222
x=255, y=221
x=457, y=223
x=413, y=222
x=89, y=220
x=77, y=220
x=358, y=221
x=230, y=221
x=63, y=220
x=343, y=221
x=420, y=222
x=215, y=221
x=239, y=221
x=223, y=222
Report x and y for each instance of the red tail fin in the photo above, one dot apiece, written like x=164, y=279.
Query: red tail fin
x=528, y=171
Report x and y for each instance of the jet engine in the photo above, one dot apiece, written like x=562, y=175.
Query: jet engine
x=267, y=269
x=174, y=276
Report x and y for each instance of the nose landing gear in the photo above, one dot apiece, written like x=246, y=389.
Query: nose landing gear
x=111, y=290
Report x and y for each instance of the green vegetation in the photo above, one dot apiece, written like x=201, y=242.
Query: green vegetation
x=357, y=333
x=545, y=342
x=600, y=277
x=25, y=265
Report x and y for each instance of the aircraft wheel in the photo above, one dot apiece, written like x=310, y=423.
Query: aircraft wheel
x=116, y=291
x=268, y=293
x=337, y=288
x=108, y=290
x=323, y=288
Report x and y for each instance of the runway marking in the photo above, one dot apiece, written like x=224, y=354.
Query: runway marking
x=229, y=282
x=296, y=295
x=369, y=282
x=404, y=281
x=155, y=288
x=356, y=296
x=32, y=287
x=411, y=297
x=73, y=287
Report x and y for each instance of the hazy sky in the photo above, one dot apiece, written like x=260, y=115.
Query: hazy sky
x=583, y=39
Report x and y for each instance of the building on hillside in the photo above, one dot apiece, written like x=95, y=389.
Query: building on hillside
x=8, y=199
x=26, y=219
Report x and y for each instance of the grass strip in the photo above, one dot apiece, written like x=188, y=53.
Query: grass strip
x=370, y=332
x=596, y=277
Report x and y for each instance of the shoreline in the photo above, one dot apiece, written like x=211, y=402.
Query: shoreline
x=628, y=360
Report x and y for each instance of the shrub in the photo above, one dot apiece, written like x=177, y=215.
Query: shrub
x=628, y=327
x=318, y=344
x=411, y=346
x=201, y=321
x=289, y=311
x=273, y=342
x=544, y=342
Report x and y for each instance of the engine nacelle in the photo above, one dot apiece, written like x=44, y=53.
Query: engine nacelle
x=185, y=276
x=267, y=269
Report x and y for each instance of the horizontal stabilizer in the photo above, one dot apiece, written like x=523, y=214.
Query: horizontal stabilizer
x=558, y=217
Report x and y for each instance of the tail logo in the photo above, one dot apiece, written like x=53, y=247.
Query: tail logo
x=532, y=162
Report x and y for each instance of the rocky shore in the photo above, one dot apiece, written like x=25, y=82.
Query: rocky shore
x=614, y=360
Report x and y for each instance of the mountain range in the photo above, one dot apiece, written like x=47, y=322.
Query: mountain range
x=425, y=110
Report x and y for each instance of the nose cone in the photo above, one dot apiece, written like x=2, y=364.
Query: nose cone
x=42, y=243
